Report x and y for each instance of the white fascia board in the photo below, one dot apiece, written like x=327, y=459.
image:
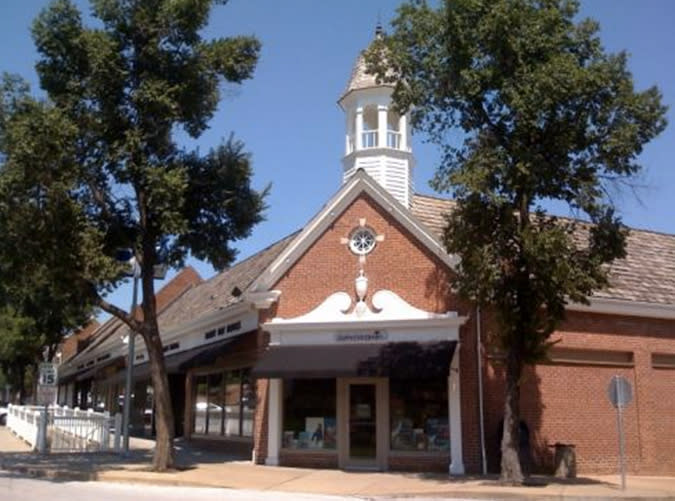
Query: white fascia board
x=116, y=346
x=191, y=339
x=359, y=183
x=627, y=308
x=205, y=322
x=366, y=95
x=280, y=326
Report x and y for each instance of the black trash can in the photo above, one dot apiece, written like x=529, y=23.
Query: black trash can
x=565, y=460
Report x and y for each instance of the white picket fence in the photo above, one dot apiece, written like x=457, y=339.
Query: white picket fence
x=61, y=429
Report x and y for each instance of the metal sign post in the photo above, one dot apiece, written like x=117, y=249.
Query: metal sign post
x=128, y=387
x=620, y=394
x=46, y=395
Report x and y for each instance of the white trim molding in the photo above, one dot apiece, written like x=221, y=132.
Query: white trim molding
x=262, y=299
x=334, y=321
x=455, y=416
x=628, y=308
x=275, y=392
x=391, y=313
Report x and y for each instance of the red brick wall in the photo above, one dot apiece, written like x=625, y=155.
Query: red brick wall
x=399, y=263
x=568, y=403
x=560, y=403
x=69, y=345
x=308, y=460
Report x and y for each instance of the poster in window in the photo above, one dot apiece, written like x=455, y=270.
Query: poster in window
x=315, y=427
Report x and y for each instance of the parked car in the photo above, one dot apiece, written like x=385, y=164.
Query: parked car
x=3, y=413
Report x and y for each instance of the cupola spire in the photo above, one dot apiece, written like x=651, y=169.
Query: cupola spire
x=377, y=138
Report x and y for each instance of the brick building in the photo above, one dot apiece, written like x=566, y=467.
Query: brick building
x=343, y=345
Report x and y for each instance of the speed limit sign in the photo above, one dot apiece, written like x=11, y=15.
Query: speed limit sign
x=47, y=376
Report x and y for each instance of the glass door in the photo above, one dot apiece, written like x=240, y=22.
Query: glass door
x=362, y=424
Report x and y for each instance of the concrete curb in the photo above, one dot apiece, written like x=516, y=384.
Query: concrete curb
x=133, y=477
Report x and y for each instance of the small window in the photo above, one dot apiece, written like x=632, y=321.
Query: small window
x=362, y=241
x=171, y=347
x=663, y=360
x=210, y=334
x=590, y=357
x=234, y=327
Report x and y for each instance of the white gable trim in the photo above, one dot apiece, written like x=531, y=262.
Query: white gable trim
x=358, y=184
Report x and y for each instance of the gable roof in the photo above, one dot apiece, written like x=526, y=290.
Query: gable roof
x=358, y=184
x=646, y=275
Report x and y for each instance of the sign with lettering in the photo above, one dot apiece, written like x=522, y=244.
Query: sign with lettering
x=361, y=337
x=47, y=375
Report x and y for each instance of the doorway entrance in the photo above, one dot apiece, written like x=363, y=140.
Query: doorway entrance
x=364, y=414
x=362, y=422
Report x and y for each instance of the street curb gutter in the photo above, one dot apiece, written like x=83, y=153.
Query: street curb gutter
x=124, y=476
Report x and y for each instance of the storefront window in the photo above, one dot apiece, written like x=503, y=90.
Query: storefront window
x=224, y=404
x=419, y=415
x=201, y=404
x=309, y=414
x=215, y=405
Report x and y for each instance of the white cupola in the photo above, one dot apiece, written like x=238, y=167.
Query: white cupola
x=377, y=139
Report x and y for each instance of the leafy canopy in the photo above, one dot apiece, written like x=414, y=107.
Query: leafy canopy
x=96, y=165
x=127, y=88
x=527, y=107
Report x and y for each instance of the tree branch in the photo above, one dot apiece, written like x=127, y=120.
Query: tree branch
x=125, y=317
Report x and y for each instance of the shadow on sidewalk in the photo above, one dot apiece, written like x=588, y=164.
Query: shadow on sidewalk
x=87, y=465
x=492, y=480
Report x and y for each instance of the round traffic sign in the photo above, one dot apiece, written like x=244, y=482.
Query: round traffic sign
x=619, y=391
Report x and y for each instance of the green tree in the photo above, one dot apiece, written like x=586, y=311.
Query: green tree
x=37, y=306
x=528, y=107
x=117, y=95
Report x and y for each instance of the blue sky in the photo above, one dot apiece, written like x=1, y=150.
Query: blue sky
x=289, y=120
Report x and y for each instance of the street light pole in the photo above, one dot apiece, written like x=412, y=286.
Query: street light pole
x=130, y=366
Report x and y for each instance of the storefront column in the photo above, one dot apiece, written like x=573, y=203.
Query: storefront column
x=455, y=415
x=273, y=422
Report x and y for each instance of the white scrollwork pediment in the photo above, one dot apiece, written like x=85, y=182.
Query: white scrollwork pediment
x=387, y=306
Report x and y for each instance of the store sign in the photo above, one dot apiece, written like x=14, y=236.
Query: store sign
x=361, y=337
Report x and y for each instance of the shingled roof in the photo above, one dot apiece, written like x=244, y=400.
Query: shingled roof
x=224, y=289
x=647, y=274
x=360, y=78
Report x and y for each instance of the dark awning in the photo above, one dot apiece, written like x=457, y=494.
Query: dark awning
x=397, y=360
x=179, y=362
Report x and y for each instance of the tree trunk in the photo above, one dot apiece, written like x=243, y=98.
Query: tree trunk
x=511, y=471
x=163, y=458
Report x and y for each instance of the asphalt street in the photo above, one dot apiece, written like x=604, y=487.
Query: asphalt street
x=18, y=488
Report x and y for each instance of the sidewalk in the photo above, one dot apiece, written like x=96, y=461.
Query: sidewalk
x=214, y=469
